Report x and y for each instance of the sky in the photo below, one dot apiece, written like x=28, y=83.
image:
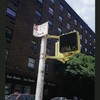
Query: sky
x=85, y=9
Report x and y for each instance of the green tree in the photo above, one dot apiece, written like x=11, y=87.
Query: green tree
x=81, y=64
x=79, y=74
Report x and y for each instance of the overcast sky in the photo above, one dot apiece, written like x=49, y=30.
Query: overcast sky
x=85, y=9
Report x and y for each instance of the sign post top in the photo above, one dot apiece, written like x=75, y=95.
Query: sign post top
x=40, y=30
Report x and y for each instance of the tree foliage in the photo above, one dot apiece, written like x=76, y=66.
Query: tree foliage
x=81, y=64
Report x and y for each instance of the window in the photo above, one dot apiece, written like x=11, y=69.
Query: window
x=46, y=91
x=50, y=28
x=94, y=40
x=15, y=2
x=31, y=63
x=52, y=1
x=69, y=15
x=85, y=49
x=61, y=7
x=18, y=88
x=90, y=52
x=7, y=89
x=34, y=45
x=8, y=33
x=90, y=35
x=81, y=46
x=75, y=21
x=60, y=18
x=41, y=1
x=59, y=30
x=50, y=22
x=38, y=13
x=50, y=32
x=46, y=68
x=75, y=30
x=94, y=47
x=6, y=54
x=11, y=13
x=51, y=11
x=49, y=40
x=68, y=26
x=90, y=44
x=27, y=89
x=81, y=36
x=85, y=31
x=81, y=26
x=85, y=41
x=48, y=51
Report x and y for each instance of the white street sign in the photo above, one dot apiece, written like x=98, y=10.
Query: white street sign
x=40, y=30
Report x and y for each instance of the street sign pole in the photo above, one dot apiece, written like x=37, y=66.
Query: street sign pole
x=41, y=70
x=42, y=31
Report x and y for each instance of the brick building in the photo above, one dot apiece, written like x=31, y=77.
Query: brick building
x=22, y=48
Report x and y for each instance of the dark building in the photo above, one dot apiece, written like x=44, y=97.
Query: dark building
x=22, y=48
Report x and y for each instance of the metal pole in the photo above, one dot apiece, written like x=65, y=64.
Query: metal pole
x=41, y=70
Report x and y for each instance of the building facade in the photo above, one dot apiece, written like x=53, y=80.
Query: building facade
x=22, y=48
